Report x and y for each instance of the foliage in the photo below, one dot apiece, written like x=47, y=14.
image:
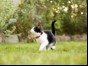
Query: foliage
x=76, y=21
x=7, y=9
x=71, y=15
x=66, y=53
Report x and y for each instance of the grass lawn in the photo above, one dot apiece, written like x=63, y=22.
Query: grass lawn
x=66, y=52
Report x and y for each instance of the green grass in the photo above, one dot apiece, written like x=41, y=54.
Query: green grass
x=68, y=53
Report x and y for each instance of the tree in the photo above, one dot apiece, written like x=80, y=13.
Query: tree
x=7, y=10
x=71, y=15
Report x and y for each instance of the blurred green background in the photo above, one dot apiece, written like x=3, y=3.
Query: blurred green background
x=18, y=16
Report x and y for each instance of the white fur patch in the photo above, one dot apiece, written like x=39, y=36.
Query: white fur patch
x=42, y=40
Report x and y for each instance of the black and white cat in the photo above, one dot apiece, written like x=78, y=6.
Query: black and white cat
x=46, y=39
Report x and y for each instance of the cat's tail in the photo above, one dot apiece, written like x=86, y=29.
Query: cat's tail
x=53, y=27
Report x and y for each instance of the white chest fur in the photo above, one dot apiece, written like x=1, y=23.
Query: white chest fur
x=42, y=39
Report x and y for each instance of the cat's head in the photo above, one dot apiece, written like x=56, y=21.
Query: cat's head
x=36, y=30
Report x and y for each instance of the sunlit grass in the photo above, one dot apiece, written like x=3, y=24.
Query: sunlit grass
x=27, y=53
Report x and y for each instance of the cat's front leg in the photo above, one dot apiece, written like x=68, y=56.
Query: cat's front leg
x=43, y=47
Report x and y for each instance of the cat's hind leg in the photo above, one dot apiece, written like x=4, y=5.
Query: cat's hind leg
x=52, y=46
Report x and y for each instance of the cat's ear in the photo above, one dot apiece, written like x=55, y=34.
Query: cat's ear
x=39, y=25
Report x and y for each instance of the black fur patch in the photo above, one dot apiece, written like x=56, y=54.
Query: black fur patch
x=50, y=37
x=37, y=29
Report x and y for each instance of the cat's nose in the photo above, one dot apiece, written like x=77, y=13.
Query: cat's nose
x=32, y=30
